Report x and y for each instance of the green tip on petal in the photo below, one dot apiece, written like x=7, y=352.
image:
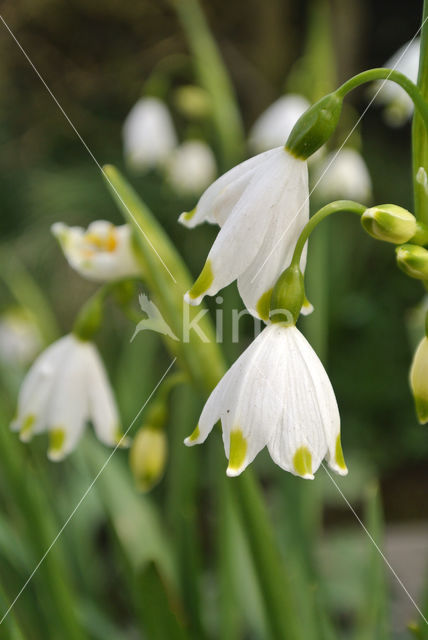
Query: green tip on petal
x=263, y=305
x=338, y=457
x=201, y=285
x=56, y=443
x=302, y=463
x=421, y=406
x=193, y=437
x=237, y=453
x=186, y=216
x=26, y=431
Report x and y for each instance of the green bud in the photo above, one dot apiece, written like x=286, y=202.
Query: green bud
x=419, y=380
x=147, y=457
x=89, y=318
x=315, y=126
x=288, y=296
x=413, y=260
x=389, y=223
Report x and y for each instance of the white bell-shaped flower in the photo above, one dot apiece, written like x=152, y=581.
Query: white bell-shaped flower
x=67, y=386
x=419, y=380
x=261, y=206
x=148, y=134
x=103, y=252
x=342, y=175
x=399, y=105
x=277, y=394
x=191, y=167
x=274, y=125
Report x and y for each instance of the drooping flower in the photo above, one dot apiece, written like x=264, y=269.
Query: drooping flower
x=419, y=380
x=191, y=167
x=67, y=386
x=103, y=252
x=277, y=394
x=342, y=174
x=274, y=125
x=261, y=206
x=398, y=104
x=148, y=134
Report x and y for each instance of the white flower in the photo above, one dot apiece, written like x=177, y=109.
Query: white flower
x=148, y=134
x=419, y=380
x=277, y=394
x=67, y=386
x=20, y=338
x=261, y=206
x=341, y=175
x=101, y=253
x=399, y=105
x=191, y=167
x=273, y=127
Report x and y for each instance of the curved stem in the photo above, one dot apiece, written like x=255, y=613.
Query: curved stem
x=388, y=74
x=333, y=207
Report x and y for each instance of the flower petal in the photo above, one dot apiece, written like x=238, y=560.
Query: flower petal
x=242, y=235
x=102, y=404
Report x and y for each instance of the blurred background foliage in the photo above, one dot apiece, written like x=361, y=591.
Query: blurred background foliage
x=96, y=58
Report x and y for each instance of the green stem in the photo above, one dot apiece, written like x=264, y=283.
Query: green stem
x=419, y=133
x=333, y=207
x=388, y=74
x=214, y=77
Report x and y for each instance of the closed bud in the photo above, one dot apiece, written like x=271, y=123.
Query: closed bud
x=315, y=126
x=413, y=260
x=389, y=223
x=419, y=380
x=288, y=296
x=147, y=457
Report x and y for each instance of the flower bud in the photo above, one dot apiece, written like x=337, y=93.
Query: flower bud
x=419, y=380
x=389, y=223
x=147, y=457
x=413, y=260
x=315, y=126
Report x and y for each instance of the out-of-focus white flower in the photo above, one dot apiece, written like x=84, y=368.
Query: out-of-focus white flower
x=148, y=134
x=399, y=105
x=342, y=174
x=273, y=126
x=419, y=380
x=102, y=252
x=67, y=386
x=191, y=167
x=20, y=338
x=277, y=394
x=261, y=206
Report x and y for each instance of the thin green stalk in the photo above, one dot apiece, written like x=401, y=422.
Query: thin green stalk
x=214, y=77
x=319, y=216
x=387, y=74
x=419, y=132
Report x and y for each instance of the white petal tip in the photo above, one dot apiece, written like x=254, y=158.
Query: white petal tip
x=307, y=309
x=192, y=301
x=308, y=476
x=186, y=218
x=25, y=437
x=189, y=442
x=56, y=456
x=341, y=471
x=57, y=228
x=233, y=472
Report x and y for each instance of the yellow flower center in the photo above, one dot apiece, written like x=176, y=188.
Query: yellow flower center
x=100, y=242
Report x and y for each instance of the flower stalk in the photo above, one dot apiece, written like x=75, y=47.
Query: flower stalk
x=419, y=132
